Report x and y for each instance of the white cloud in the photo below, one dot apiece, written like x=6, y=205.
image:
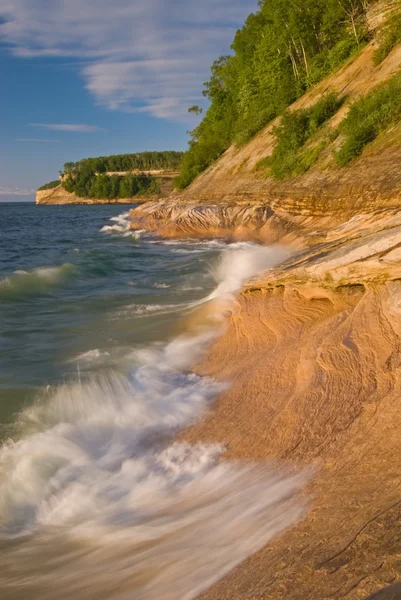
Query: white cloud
x=143, y=55
x=6, y=191
x=76, y=127
x=38, y=140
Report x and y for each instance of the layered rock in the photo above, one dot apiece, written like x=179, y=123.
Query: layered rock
x=59, y=195
x=175, y=219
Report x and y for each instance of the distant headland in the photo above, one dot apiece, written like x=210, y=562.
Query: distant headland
x=116, y=179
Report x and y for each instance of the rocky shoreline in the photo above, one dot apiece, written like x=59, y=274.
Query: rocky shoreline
x=312, y=351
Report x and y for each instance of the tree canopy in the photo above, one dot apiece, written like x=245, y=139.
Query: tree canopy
x=50, y=185
x=142, y=161
x=87, y=184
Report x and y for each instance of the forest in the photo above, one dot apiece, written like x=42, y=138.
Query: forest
x=282, y=50
x=87, y=184
x=141, y=161
x=88, y=177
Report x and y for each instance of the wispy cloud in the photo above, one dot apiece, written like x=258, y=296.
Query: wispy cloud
x=75, y=127
x=149, y=55
x=38, y=140
x=6, y=191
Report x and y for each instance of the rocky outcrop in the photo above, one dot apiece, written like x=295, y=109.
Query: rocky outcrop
x=171, y=219
x=58, y=195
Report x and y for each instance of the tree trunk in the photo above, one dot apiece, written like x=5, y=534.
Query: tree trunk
x=305, y=61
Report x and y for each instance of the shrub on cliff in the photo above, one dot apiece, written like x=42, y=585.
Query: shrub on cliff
x=50, y=185
x=295, y=129
x=389, y=37
x=368, y=117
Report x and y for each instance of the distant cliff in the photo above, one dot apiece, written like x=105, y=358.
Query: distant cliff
x=115, y=179
x=58, y=195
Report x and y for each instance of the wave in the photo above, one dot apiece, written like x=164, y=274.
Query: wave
x=98, y=501
x=161, y=285
x=122, y=226
x=23, y=284
x=114, y=228
x=122, y=219
x=242, y=261
x=148, y=310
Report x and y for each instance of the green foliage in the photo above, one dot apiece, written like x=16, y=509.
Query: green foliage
x=88, y=178
x=390, y=37
x=87, y=184
x=142, y=161
x=368, y=117
x=295, y=129
x=283, y=49
x=50, y=185
x=263, y=163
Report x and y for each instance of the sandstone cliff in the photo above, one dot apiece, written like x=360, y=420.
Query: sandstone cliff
x=58, y=195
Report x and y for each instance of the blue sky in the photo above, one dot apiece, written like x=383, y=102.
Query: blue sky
x=94, y=77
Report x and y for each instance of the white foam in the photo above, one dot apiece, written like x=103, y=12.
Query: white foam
x=114, y=228
x=242, y=261
x=91, y=356
x=122, y=219
x=122, y=226
x=161, y=285
x=147, y=310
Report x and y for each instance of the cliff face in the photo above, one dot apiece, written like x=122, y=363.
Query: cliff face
x=58, y=195
x=326, y=191
x=233, y=199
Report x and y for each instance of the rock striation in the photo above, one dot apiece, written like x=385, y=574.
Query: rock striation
x=171, y=219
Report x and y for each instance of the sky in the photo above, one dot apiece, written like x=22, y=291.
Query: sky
x=92, y=77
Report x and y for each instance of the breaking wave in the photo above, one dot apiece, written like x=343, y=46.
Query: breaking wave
x=97, y=500
x=30, y=283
